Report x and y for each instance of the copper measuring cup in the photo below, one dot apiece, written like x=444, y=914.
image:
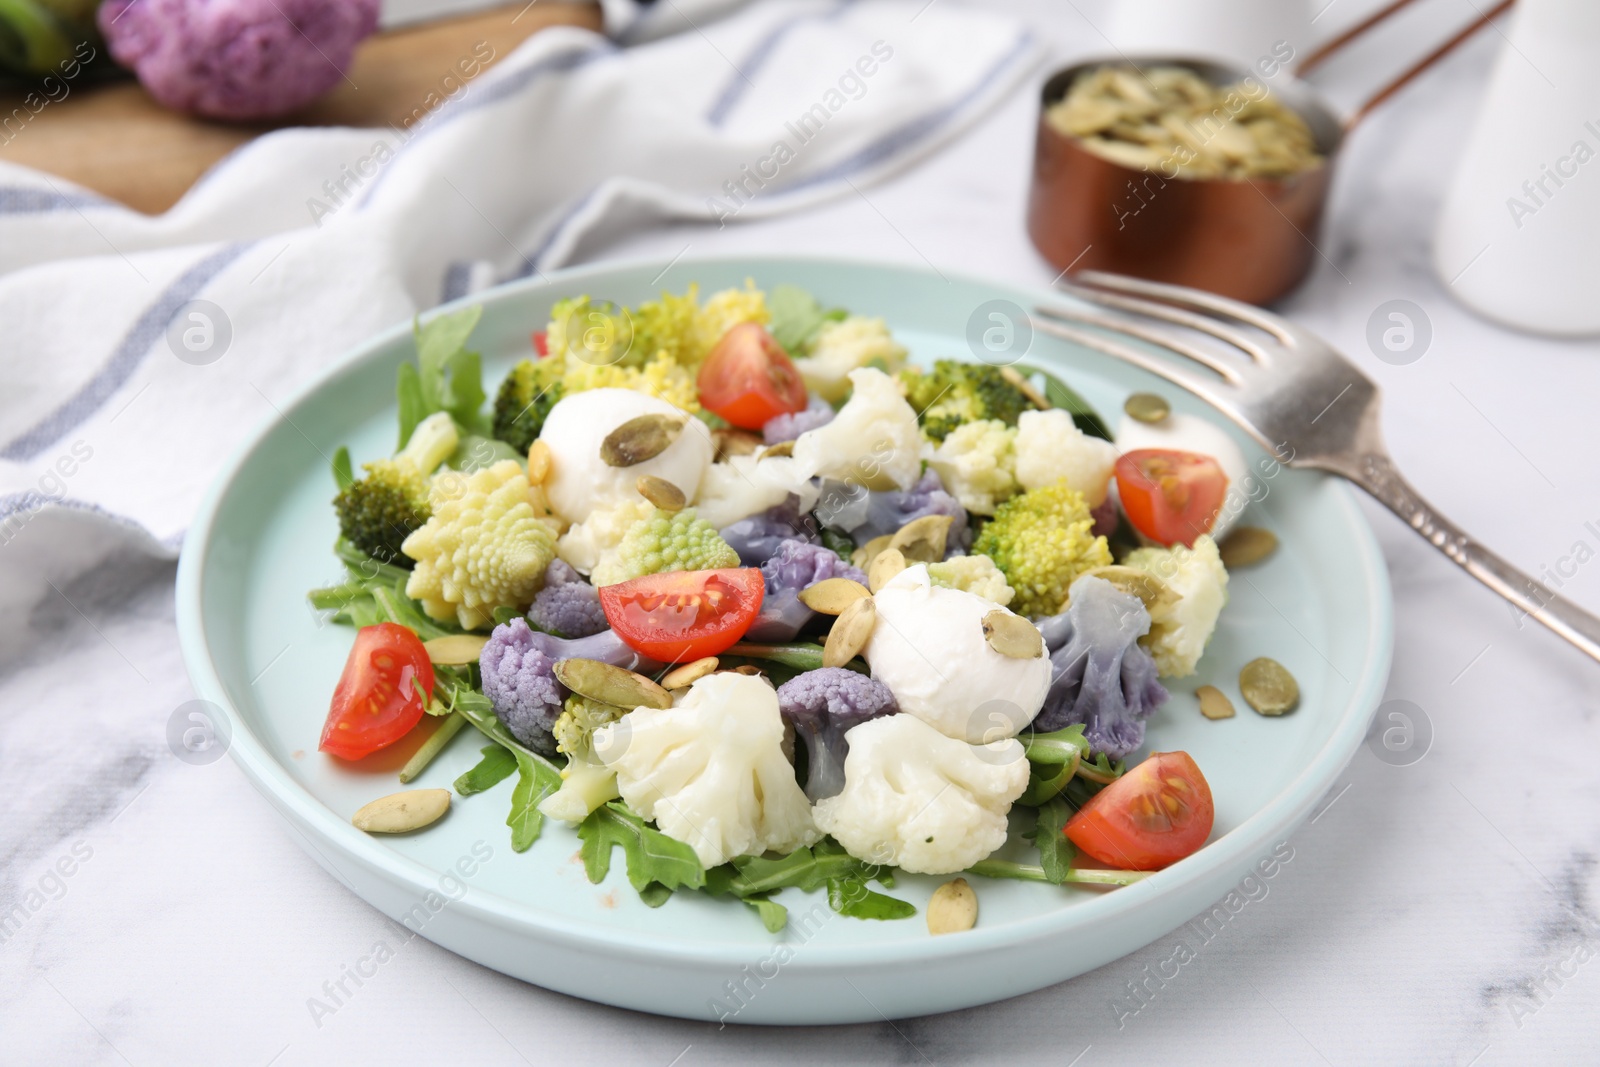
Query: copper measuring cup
x=1251, y=239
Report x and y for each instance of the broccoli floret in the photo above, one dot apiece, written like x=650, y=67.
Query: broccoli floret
x=525, y=398
x=823, y=705
x=567, y=606
x=666, y=541
x=795, y=565
x=1041, y=540
x=955, y=393
x=580, y=718
x=378, y=512
x=972, y=574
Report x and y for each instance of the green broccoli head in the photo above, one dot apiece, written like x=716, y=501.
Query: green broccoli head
x=525, y=399
x=380, y=511
x=665, y=541
x=580, y=718
x=955, y=393
x=1041, y=541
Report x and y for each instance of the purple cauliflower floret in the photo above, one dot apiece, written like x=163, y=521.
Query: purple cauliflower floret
x=1106, y=518
x=567, y=605
x=237, y=59
x=823, y=705
x=865, y=514
x=518, y=668
x=758, y=537
x=788, y=426
x=1102, y=677
x=795, y=565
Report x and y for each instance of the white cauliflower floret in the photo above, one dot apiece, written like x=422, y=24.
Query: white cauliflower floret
x=977, y=462
x=873, y=441
x=580, y=481
x=484, y=547
x=1179, y=630
x=928, y=648
x=742, y=486
x=711, y=771
x=842, y=347
x=586, y=545
x=922, y=801
x=1050, y=448
x=973, y=574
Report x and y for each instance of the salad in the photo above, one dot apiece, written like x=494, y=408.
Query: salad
x=729, y=584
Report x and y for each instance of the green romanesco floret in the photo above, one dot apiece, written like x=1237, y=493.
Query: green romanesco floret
x=525, y=398
x=973, y=574
x=484, y=547
x=1042, y=541
x=956, y=393
x=378, y=512
x=665, y=541
x=580, y=718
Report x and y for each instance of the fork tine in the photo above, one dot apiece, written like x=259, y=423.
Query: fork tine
x=1144, y=333
x=1193, y=299
x=1177, y=316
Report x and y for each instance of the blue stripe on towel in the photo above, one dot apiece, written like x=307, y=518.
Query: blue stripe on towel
x=744, y=73
x=21, y=200
x=125, y=359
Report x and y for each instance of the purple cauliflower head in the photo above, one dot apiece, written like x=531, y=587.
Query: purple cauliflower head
x=793, y=566
x=788, y=426
x=823, y=705
x=1102, y=677
x=237, y=59
x=865, y=514
x=758, y=537
x=567, y=605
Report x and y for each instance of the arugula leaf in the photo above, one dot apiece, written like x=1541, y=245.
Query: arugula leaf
x=447, y=375
x=1045, y=782
x=774, y=916
x=1056, y=851
x=796, y=318
x=756, y=878
x=1066, y=745
x=652, y=857
x=1084, y=416
x=343, y=476
x=413, y=405
x=536, y=780
x=654, y=895
x=849, y=896
x=475, y=452
x=496, y=766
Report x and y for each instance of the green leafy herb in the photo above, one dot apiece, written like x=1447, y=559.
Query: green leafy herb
x=652, y=857
x=826, y=864
x=1026, y=872
x=1084, y=416
x=497, y=765
x=838, y=543
x=1056, y=852
x=447, y=376
x=536, y=780
x=475, y=452
x=850, y=897
x=774, y=916
x=343, y=475
x=1067, y=745
x=797, y=318
x=803, y=656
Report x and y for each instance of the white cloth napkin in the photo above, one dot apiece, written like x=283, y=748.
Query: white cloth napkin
x=119, y=404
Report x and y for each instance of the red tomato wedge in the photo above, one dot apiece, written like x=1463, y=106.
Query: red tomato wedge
x=1154, y=815
x=1170, y=497
x=748, y=378
x=684, y=615
x=376, y=702
x=541, y=343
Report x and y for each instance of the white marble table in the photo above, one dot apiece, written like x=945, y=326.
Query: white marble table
x=1442, y=912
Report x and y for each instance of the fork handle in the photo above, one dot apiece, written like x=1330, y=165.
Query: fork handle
x=1378, y=476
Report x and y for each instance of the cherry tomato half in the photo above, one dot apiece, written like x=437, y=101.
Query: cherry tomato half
x=684, y=615
x=748, y=378
x=1170, y=497
x=541, y=343
x=1154, y=815
x=376, y=702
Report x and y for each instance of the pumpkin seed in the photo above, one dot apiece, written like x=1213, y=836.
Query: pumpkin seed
x=1247, y=545
x=782, y=448
x=832, y=595
x=662, y=493
x=888, y=563
x=850, y=633
x=640, y=439
x=749, y=670
x=1151, y=590
x=1267, y=686
x=1214, y=703
x=922, y=540
x=456, y=650
x=735, y=443
x=400, y=813
x=1021, y=384
x=862, y=557
x=610, y=685
x=1147, y=407
x=682, y=677
x=538, y=462
x=952, y=908
x=1012, y=635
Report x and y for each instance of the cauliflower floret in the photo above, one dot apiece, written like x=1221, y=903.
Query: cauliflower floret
x=976, y=462
x=1179, y=630
x=665, y=541
x=741, y=486
x=591, y=541
x=842, y=347
x=874, y=441
x=973, y=574
x=711, y=771
x=483, y=548
x=919, y=800
x=581, y=481
x=1051, y=448
x=928, y=648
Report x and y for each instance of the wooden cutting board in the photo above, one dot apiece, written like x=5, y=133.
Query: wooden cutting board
x=113, y=138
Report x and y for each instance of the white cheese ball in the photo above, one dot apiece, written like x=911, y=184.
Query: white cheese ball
x=1050, y=447
x=1190, y=433
x=928, y=648
x=581, y=481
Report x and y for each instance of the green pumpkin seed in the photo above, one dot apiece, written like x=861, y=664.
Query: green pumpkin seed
x=662, y=493
x=888, y=563
x=922, y=540
x=1214, y=703
x=640, y=439
x=400, y=813
x=832, y=595
x=1267, y=686
x=1012, y=635
x=850, y=633
x=688, y=674
x=610, y=685
x=1147, y=407
x=1247, y=545
x=862, y=557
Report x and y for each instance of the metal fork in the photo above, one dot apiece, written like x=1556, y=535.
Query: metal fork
x=1297, y=396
